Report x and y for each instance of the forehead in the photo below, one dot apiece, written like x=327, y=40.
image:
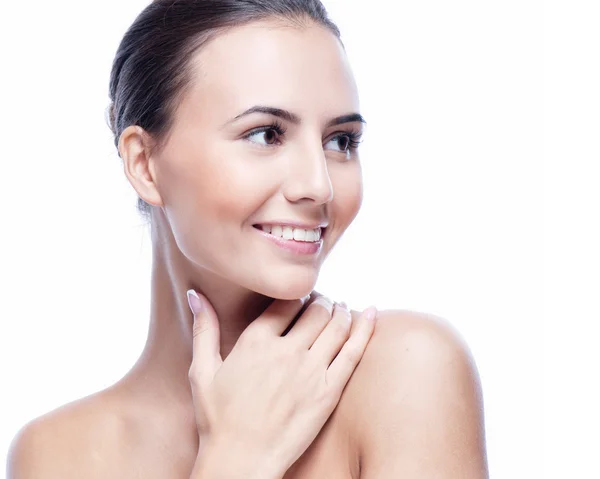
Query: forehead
x=301, y=69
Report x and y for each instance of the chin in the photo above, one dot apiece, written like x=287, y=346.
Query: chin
x=288, y=288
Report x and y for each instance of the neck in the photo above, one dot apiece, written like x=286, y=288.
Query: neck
x=161, y=373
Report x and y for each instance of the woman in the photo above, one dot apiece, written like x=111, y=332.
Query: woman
x=238, y=123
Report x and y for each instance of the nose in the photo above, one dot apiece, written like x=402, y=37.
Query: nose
x=308, y=177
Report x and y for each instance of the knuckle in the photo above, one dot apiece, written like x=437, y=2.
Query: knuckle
x=200, y=328
x=352, y=353
x=341, y=327
x=193, y=373
x=326, y=400
x=285, y=352
x=253, y=336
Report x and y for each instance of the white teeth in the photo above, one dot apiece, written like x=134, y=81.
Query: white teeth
x=297, y=234
x=300, y=235
x=288, y=233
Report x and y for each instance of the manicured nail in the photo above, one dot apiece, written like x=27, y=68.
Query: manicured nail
x=305, y=299
x=194, y=301
x=371, y=313
x=325, y=302
x=345, y=310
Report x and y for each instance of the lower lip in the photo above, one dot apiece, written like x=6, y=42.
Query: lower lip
x=297, y=247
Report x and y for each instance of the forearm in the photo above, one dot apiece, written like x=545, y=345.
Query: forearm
x=220, y=462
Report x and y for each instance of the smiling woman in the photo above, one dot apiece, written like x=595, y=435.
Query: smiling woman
x=239, y=124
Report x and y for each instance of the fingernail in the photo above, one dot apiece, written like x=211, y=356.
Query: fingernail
x=325, y=302
x=371, y=313
x=305, y=299
x=194, y=301
x=345, y=310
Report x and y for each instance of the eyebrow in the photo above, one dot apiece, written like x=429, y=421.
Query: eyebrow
x=293, y=118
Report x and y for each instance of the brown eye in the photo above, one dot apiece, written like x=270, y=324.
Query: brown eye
x=270, y=136
x=267, y=135
x=343, y=142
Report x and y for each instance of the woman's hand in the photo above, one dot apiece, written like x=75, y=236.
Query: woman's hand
x=272, y=395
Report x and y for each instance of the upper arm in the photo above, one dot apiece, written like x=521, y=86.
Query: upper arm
x=57, y=445
x=27, y=454
x=421, y=402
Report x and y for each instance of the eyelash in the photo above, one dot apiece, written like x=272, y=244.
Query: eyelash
x=353, y=135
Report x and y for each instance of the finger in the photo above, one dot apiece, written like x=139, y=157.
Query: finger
x=278, y=316
x=333, y=337
x=206, y=349
x=342, y=367
x=311, y=323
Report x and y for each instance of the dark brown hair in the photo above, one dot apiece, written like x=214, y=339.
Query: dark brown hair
x=151, y=69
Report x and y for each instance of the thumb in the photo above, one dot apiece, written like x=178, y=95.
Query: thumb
x=206, y=339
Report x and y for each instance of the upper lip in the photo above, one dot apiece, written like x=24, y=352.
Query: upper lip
x=295, y=224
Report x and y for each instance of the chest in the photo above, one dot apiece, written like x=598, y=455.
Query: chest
x=329, y=456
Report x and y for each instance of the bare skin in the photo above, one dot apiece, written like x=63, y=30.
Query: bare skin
x=209, y=186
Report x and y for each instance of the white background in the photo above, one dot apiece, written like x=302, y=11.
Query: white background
x=480, y=191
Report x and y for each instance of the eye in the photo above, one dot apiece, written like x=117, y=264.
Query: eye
x=346, y=142
x=270, y=134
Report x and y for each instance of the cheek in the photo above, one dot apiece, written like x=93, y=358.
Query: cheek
x=348, y=195
x=234, y=189
x=209, y=198
x=202, y=178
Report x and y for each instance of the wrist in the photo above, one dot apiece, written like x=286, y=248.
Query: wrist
x=221, y=460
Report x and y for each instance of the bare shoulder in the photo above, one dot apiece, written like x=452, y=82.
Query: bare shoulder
x=405, y=338
x=402, y=342
x=418, y=396
x=76, y=440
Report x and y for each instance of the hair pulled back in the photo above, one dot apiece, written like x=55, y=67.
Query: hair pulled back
x=151, y=69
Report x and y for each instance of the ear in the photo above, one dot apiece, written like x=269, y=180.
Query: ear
x=135, y=152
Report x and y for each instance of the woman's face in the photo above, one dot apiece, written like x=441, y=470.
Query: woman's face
x=222, y=172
